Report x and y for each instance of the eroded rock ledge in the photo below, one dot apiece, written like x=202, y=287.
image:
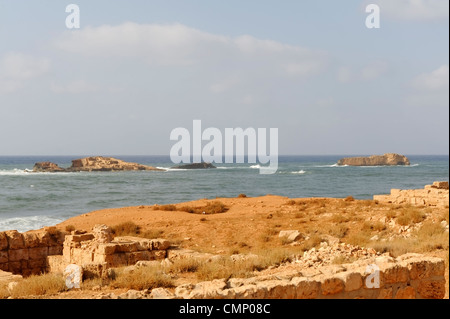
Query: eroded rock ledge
x=94, y=164
x=389, y=159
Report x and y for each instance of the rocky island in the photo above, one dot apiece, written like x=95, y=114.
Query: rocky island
x=195, y=166
x=389, y=159
x=94, y=164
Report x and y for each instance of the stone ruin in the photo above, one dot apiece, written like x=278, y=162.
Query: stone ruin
x=97, y=251
x=33, y=253
x=436, y=195
x=312, y=276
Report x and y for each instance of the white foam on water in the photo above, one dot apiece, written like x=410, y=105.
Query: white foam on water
x=299, y=172
x=24, y=224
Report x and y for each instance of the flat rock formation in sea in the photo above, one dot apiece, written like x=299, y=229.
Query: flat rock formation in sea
x=196, y=166
x=94, y=164
x=389, y=159
x=47, y=167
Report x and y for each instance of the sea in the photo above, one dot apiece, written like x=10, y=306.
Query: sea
x=33, y=200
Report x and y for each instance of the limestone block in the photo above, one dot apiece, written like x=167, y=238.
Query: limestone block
x=393, y=273
x=208, y=289
x=31, y=240
x=385, y=293
x=55, y=250
x=306, y=289
x=157, y=254
x=331, y=285
x=106, y=249
x=18, y=254
x=432, y=289
x=441, y=185
x=94, y=270
x=290, y=235
x=102, y=233
x=277, y=289
x=134, y=257
x=352, y=280
x=16, y=267
x=407, y=292
x=3, y=241
x=56, y=264
x=425, y=268
x=160, y=244
x=126, y=247
x=3, y=256
x=15, y=239
x=37, y=264
x=161, y=293
x=248, y=292
x=37, y=253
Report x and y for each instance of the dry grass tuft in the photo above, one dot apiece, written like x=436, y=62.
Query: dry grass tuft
x=126, y=229
x=410, y=215
x=142, y=278
x=39, y=285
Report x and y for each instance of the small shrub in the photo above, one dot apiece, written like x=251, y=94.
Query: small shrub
x=142, y=278
x=70, y=228
x=374, y=226
x=152, y=233
x=291, y=202
x=126, y=229
x=39, y=285
x=338, y=231
x=339, y=218
x=215, y=207
x=409, y=216
x=242, y=196
x=349, y=199
x=167, y=208
x=185, y=265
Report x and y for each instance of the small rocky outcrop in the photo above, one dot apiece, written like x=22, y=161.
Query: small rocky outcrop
x=47, y=167
x=196, y=166
x=389, y=159
x=101, y=164
x=94, y=164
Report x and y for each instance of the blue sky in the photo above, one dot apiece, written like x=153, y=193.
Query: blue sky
x=136, y=70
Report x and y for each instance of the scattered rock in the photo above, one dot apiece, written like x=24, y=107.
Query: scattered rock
x=290, y=235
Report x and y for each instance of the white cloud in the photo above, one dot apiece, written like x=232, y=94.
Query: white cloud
x=416, y=10
x=436, y=80
x=374, y=70
x=75, y=87
x=371, y=71
x=17, y=68
x=176, y=44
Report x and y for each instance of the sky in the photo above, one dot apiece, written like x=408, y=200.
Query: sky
x=136, y=70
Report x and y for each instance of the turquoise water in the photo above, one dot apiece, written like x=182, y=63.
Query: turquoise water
x=33, y=200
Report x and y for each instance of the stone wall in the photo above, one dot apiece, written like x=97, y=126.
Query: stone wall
x=432, y=195
x=410, y=276
x=26, y=254
x=96, y=252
